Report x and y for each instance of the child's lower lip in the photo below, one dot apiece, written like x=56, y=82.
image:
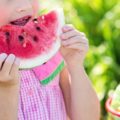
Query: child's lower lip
x=21, y=21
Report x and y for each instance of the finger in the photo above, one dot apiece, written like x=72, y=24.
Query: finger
x=67, y=28
x=3, y=56
x=79, y=47
x=15, y=67
x=74, y=40
x=8, y=64
x=69, y=34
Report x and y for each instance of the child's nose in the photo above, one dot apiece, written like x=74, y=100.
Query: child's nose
x=25, y=6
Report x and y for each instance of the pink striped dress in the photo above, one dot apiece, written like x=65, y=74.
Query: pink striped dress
x=40, y=94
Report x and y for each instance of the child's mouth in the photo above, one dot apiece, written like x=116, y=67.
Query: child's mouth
x=21, y=21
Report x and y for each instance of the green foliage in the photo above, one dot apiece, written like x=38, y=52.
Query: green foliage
x=100, y=20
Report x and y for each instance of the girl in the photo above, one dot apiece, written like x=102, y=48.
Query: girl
x=68, y=96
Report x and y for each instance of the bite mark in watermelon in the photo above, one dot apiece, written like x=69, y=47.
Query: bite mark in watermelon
x=34, y=41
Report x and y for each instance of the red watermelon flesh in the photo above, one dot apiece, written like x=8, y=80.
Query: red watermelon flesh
x=34, y=41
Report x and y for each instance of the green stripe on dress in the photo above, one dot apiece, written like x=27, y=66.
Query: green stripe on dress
x=53, y=75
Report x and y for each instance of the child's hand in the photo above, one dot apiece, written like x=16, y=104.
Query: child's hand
x=74, y=46
x=9, y=66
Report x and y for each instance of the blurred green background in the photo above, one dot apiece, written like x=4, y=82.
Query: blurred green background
x=100, y=20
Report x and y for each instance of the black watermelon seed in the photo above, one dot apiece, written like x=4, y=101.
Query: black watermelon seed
x=7, y=34
x=7, y=37
x=20, y=37
x=35, y=19
x=38, y=28
x=44, y=63
x=35, y=38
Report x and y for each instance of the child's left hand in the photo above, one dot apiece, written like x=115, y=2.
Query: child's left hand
x=74, y=46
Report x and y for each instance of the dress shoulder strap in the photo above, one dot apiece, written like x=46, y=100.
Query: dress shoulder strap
x=47, y=72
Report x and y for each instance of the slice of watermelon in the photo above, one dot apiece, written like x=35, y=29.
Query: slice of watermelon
x=34, y=41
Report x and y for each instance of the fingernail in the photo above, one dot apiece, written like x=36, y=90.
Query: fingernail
x=11, y=57
x=66, y=27
x=3, y=55
x=17, y=61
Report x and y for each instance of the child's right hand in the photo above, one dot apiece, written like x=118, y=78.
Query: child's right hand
x=9, y=70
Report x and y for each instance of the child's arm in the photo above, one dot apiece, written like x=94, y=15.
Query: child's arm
x=9, y=87
x=80, y=98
